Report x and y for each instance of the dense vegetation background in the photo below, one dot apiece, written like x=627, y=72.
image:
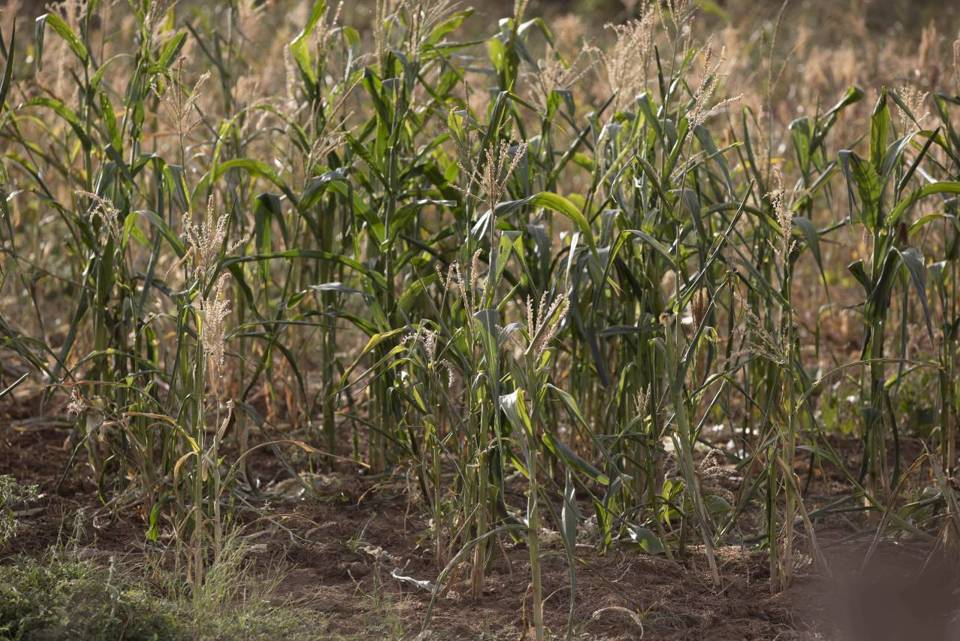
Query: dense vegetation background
x=676, y=280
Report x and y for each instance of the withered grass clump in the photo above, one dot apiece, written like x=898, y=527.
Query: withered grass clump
x=570, y=261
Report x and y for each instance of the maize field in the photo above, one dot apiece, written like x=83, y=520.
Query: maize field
x=406, y=319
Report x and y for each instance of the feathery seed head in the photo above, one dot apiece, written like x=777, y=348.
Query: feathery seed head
x=78, y=404
x=642, y=401
x=491, y=177
x=784, y=216
x=206, y=239
x=498, y=168
x=916, y=101
x=549, y=319
x=627, y=62
x=553, y=74
x=477, y=284
x=104, y=210
x=713, y=76
x=213, y=312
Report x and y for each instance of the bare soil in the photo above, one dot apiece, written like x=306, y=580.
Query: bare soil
x=354, y=550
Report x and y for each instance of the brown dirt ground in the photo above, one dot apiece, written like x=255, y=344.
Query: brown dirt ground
x=340, y=548
x=339, y=555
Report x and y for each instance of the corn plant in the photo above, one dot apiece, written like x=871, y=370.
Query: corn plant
x=878, y=194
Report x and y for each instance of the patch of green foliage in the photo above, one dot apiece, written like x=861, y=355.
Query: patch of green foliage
x=66, y=599
x=62, y=599
x=12, y=493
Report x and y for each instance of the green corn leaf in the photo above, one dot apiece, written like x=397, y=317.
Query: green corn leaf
x=646, y=539
x=300, y=46
x=654, y=244
x=916, y=265
x=865, y=178
x=559, y=204
x=856, y=268
x=515, y=409
x=67, y=114
x=170, y=50
x=64, y=31
x=812, y=239
x=562, y=451
x=7, y=69
x=879, y=131
x=946, y=187
x=570, y=403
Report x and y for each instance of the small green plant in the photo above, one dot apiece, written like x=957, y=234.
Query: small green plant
x=524, y=408
x=13, y=495
x=62, y=597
